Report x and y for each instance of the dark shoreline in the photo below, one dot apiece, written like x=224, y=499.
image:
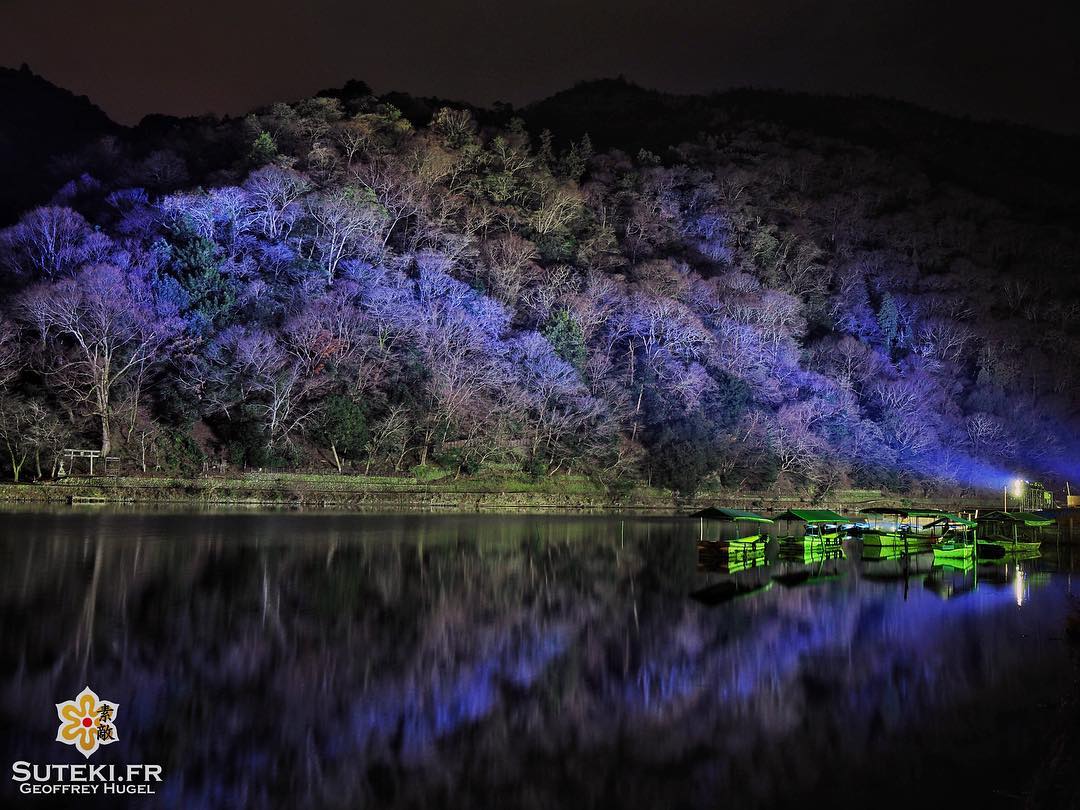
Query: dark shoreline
x=329, y=491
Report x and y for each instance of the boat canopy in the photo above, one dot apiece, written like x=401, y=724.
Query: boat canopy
x=735, y=515
x=905, y=513
x=954, y=520
x=1026, y=518
x=813, y=516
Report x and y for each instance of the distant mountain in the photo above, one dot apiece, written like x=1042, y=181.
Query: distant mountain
x=1017, y=164
x=40, y=123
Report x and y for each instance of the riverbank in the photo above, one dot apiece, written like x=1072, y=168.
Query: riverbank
x=476, y=493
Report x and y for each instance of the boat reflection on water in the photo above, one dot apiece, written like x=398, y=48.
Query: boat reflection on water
x=281, y=659
x=952, y=578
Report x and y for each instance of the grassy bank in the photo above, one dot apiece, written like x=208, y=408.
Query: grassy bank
x=428, y=491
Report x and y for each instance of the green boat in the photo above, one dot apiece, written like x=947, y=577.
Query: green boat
x=898, y=527
x=818, y=524
x=734, y=518
x=872, y=553
x=900, y=540
x=1013, y=531
x=1008, y=544
x=718, y=549
x=953, y=550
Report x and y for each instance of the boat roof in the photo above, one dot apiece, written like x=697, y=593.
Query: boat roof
x=950, y=519
x=723, y=513
x=890, y=510
x=1027, y=518
x=813, y=516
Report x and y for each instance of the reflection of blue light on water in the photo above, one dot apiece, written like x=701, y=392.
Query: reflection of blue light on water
x=780, y=645
x=423, y=714
x=761, y=665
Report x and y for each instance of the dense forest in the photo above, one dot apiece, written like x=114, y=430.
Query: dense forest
x=745, y=290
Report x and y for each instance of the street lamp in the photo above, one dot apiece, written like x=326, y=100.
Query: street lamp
x=1018, y=492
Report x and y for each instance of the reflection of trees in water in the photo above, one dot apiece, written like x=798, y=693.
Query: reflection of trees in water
x=466, y=661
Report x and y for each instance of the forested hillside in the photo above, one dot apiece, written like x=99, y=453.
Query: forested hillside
x=756, y=290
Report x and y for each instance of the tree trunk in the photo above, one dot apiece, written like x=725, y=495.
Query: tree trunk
x=337, y=460
x=16, y=465
x=106, y=439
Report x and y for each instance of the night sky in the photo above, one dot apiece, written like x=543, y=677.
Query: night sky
x=1017, y=61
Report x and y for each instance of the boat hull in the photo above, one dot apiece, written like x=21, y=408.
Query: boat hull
x=1010, y=545
x=954, y=552
x=874, y=537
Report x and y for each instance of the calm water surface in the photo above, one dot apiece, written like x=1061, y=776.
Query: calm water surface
x=425, y=661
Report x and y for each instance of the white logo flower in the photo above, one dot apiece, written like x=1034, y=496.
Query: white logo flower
x=87, y=722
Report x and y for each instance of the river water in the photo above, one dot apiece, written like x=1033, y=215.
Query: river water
x=539, y=661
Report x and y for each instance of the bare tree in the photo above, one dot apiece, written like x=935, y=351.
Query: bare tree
x=348, y=222
x=52, y=242
x=98, y=330
x=27, y=429
x=11, y=353
x=509, y=262
x=274, y=194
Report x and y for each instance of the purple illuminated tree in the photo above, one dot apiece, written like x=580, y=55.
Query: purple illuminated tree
x=98, y=331
x=347, y=222
x=11, y=353
x=52, y=242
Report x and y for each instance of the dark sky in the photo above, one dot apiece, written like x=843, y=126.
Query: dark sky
x=1017, y=61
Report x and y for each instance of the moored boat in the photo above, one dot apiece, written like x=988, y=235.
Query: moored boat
x=1013, y=531
x=893, y=526
x=737, y=518
x=1008, y=544
x=953, y=550
x=817, y=524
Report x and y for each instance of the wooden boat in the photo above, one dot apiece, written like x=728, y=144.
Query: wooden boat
x=724, y=549
x=890, y=526
x=818, y=524
x=736, y=518
x=1008, y=544
x=1013, y=531
x=953, y=550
